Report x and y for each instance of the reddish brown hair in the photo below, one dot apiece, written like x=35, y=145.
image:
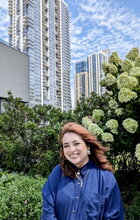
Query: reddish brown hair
x=97, y=150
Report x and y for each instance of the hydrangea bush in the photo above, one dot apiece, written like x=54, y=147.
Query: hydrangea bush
x=119, y=126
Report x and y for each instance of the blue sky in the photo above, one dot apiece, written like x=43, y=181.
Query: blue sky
x=95, y=25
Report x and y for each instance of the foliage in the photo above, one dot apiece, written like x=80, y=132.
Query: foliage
x=20, y=197
x=133, y=210
x=86, y=106
x=131, y=198
x=137, y=152
x=29, y=136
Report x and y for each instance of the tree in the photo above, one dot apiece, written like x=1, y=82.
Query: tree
x=85, y=106
x=29, y=136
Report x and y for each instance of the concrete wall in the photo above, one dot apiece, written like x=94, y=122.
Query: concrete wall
x=14, y=72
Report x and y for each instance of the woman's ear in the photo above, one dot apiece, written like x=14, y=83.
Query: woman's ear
x=88, y=150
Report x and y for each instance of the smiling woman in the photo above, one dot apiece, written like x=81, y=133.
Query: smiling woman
x=82, y=187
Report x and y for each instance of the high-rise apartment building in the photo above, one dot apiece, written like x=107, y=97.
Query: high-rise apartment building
x=88, y=74
x=95, y=72
x=80, y=80
x=40, y=28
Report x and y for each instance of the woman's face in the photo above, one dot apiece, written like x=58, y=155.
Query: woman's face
x=75, y=149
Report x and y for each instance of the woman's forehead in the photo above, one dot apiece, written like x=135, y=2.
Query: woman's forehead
x=71, y=136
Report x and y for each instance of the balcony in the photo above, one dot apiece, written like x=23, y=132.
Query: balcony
x=25, y=42
x=44, y=16
x=46, y=45
x=45, y=72
x=29, y=2
x=10, y=4
x=45, y=84
x=45, y=64
x=10, y=30
x=45, y=34
x=27, y=21
x=46, y=54
x=10, y=11
x=44, y=6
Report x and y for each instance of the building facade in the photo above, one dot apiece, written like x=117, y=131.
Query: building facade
x=41, y=29
x=95, y=72
x=14, y=73
x=80, y=81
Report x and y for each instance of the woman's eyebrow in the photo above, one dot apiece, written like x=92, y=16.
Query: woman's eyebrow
x=65, y=143
x=72, y=141
x=76, y=140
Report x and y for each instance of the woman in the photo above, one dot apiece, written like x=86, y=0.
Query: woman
x=83, y=186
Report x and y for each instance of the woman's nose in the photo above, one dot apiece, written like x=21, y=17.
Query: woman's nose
x=72, y=148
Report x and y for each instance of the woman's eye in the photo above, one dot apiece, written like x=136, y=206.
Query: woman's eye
x=65, y=146
x=77, y=143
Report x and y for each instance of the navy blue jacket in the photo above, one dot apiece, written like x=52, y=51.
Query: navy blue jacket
x=99, y=198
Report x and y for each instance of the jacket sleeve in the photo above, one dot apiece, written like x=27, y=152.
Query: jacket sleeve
x=113, y=209
x=49, y=196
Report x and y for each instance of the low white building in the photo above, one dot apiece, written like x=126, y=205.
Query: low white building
x=14, y=73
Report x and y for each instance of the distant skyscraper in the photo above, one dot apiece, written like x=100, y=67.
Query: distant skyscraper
x=40, y=28
x=88, y=75
x=95, y=72
x=80, y=81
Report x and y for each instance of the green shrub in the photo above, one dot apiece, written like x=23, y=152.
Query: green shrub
x=129, y=183
x=20, y=197
x=133, y=210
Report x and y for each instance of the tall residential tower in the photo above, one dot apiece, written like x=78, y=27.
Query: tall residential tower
x=95, y=72
x=40, y=28
x=80, y=80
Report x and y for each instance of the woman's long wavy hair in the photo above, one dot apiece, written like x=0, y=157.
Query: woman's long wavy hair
x=97, y=150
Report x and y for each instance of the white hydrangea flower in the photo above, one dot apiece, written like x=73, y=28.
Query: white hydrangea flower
x=133, y=54
x=97, y=114
x=137, y=61
x=137, y=152
x=125, y=81
x=86, y=121
x=135, y=71
x=112, y=124
x=119, y=111
x=127, y=65
x=107, y=137
x=105, y=67
x=125, y=95
x=113, y=69
x=114, y=58
x=130, y=125
x=94, y=129
x=110, y=79
x=113, y=104
x=110, y=93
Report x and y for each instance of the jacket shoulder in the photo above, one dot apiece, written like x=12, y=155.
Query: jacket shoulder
x=107, y=176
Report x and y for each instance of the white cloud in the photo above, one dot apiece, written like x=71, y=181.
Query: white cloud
x=4, y=20
x=106, y=24
x=4, y=4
